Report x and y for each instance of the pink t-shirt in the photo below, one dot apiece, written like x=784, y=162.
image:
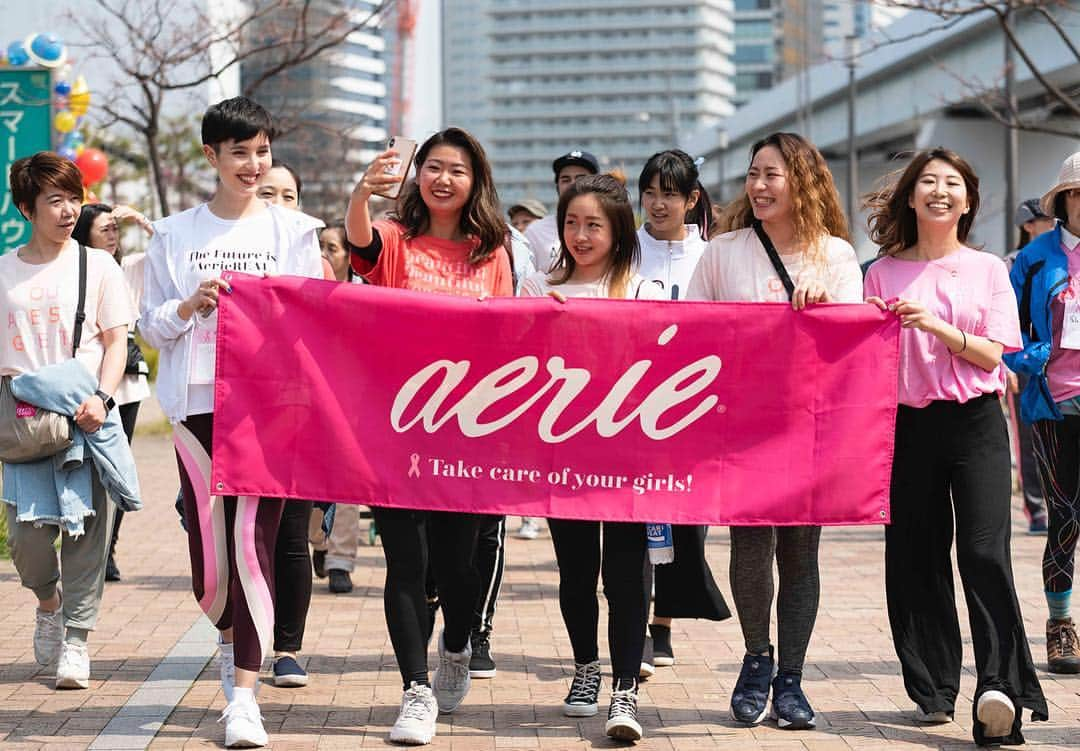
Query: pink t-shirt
x=969, y=289
x=1063, y=367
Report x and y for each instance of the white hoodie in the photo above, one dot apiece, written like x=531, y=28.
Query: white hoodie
x=195, y=245
x=671, y=263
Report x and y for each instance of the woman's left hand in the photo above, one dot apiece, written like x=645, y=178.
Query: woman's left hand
x=90, y=415
x=808, y=292
x=914, y=315
x=126, y=213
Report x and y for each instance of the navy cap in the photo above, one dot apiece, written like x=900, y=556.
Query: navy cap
x=1028, y=211
x=578, y=157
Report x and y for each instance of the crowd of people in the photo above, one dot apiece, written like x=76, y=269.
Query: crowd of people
x=969, y=323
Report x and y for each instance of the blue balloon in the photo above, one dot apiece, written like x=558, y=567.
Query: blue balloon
x=74, y=139
x=47, y=47
x=63, y=88
x=16, y=54
x=67, y=152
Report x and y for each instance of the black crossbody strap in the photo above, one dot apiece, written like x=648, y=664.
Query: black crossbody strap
x=80, y=310
x=781, y=271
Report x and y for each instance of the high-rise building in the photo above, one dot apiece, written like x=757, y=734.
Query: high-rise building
x=618, y=78
x=774, y=39
x=333, y=110
x=854, y=18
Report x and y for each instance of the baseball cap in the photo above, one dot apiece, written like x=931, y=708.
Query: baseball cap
x=578, y=157
x=531, y=205
x=1028, y=211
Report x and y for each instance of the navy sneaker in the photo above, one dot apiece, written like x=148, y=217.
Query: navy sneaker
x=750, y=702
x=790, y=708
x=288, y=673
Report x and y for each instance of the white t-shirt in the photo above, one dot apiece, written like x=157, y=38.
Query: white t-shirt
x=736, y=268
x=38, y=302
x=133, y=388
x=639, y=288
x=671, y=263
x=543, y=237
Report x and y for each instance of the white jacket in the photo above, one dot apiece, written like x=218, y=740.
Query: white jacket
x=671, y=263
x=166, y=282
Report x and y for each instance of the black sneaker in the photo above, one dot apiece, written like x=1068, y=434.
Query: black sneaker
x=622, y=723
x=481, y=665
x=661, y=646
x=318, y=563
x=288, y=673
x=112, y=573
x=790, y=708
x=584, y=697
x=340, y=581
x=750, y=701
x=646, y=670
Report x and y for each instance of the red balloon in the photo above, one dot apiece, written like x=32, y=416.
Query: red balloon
x=94, y=166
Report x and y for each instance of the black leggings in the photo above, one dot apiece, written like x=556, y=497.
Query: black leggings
x=959, y=451
x=408, y=538
x=292, y=577
x=1057, y=451
x=128, y=414
x=620, y=558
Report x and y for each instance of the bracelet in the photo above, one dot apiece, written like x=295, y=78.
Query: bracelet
x=964, y=335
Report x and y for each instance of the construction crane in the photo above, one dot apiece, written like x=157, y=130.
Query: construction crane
x=401, y=80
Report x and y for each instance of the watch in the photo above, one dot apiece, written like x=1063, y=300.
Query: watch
x=107, y=400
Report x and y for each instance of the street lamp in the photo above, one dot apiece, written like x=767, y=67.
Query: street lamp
x=851, y=48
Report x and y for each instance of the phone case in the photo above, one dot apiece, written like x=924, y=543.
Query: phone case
x=406, y=149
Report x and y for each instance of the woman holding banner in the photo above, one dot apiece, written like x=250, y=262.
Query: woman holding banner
x=447, y=236
x=958, y=315
x=784, y=241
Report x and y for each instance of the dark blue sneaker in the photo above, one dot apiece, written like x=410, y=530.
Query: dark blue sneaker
x=288, y=673
x=750, y=702
x=790, y=708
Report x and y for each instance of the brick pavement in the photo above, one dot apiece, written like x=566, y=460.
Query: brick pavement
x=852, y=675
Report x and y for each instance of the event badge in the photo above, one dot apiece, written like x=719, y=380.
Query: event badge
x=203, y=350
x=1070, y=323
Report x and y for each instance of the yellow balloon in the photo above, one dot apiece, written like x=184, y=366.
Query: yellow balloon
x=79, y=103
x=80, y=86
x=64, y=121
x=79, y=149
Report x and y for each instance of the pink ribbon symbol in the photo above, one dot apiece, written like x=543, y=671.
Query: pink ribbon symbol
x=414, y=469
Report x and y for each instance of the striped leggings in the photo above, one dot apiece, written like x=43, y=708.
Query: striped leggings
x=231, y=544
x=1057, y=456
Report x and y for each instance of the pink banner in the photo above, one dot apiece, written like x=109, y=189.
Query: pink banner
x=709, y=413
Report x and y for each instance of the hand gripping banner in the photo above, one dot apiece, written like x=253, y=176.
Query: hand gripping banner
x=684, y=412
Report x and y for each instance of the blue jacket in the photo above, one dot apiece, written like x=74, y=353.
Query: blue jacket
x=1039, y=272
x=59, y=490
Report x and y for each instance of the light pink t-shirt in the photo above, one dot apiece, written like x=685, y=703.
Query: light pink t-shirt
x=1063, y=367
x=37, y=307
x=967, y=288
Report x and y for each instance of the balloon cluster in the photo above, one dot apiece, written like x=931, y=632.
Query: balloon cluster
x=71, y=100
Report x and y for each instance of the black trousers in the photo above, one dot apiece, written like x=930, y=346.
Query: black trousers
x=959, y=451
x=582, y=559
x=292, y=577
x=414, y=543
x=128, y=415
x=490, y=560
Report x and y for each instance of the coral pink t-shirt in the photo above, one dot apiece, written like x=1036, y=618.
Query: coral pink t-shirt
x=429, y=264
x=967, y=288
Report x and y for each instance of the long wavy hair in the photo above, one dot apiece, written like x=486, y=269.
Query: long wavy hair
x=625, y=254
x=893, y=224
x=480, y=216
x=815, y=203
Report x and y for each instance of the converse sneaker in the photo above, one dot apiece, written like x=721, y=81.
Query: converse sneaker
x=226, y=669
x=996, y=712
x=661, y=645
x=790, y=708
x=529, y=529
x=750, y=700
x=941, y=717
x=1062, y=646
x=481, y=665
x=646, y=670
x=622, y=723
x=243, y=722
x=415, y=725
x=584, y=697
x=73, y=669
x=451, y=681
x=288, y=673
x=48, y=635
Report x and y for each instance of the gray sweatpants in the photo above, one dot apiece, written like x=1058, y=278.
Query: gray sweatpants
x=80, y=567
x=795, y=550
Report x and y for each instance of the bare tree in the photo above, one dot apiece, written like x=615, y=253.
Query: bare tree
x=167, y=48
x=1052, y=98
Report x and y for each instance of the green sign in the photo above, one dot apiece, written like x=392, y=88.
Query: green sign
x=25, y=129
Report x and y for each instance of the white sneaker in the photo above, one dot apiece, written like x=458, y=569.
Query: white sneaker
x=227, y=670
x=932, y=718
x=243, y=724
x=452, y=680
x=73, y=669
x=529, y=529
x=415, y=724
x=996, y=711
x=48, y=635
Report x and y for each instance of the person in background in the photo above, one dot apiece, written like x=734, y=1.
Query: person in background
x=543, y=234
x=525, y=213
x=98, y=227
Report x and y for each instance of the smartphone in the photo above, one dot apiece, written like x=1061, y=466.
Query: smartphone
x=406, y=149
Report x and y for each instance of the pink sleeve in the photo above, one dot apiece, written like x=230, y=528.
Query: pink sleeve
x=871, y=288
x=1002, y=322
x=382, y=272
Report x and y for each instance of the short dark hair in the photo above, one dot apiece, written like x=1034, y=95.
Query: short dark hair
x=236, y=119
x=278, y=164
x=29, y=176
x=90, y=212
x=679, y=174
x=1060, y=212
